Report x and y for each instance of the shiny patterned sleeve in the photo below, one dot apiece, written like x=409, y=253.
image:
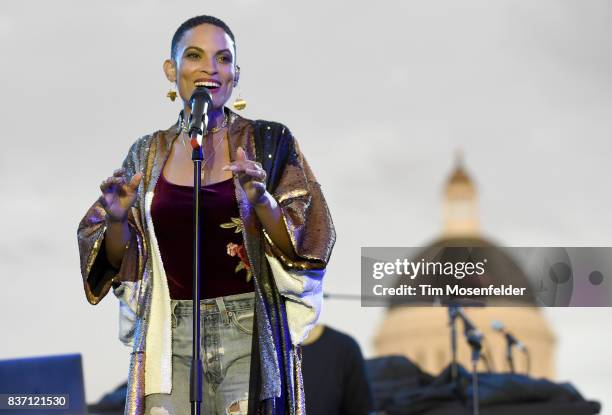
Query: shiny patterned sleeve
x=97, y=272
x=306, y=215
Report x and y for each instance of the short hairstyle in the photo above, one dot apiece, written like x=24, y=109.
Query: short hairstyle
x=196, y=21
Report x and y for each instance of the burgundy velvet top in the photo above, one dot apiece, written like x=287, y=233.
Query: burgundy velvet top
x=224, y=266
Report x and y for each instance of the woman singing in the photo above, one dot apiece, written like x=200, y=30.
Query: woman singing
x=266, y=238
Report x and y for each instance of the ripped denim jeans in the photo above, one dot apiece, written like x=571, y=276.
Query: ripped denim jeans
x=226, y=330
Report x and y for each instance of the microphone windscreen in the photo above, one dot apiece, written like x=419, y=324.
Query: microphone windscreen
x=497, y=325
x=200, y=93
x=199, y=102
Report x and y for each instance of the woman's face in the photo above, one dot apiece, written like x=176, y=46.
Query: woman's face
x=204, y=56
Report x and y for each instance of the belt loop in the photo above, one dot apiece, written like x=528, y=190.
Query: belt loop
x=222, y=310
x=174, y=321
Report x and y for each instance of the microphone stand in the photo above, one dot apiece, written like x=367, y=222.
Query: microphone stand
x=474, y=339
x=453, y=311
x=196, y=369
x=511, y=341
x=509, y=357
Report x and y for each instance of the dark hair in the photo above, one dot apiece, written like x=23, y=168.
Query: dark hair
x=196, y=21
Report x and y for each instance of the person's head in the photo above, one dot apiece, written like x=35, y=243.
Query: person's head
x=203, y=52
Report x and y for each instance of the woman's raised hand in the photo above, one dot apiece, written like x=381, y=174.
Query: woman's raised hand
x=118, y=195
x=251, y=175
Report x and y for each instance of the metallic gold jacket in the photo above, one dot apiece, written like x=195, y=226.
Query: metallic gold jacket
x=287, y=294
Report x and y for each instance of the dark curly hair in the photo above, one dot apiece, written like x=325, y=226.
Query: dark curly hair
x=196, y=21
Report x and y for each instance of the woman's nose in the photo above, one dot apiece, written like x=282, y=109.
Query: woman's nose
x=209, y=66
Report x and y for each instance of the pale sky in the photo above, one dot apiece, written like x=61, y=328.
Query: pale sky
x=379, y=96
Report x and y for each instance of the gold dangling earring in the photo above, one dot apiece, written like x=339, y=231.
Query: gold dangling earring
x=171, y=93
x=240, y=103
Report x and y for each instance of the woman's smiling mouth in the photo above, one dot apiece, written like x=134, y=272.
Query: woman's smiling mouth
x=210, y=84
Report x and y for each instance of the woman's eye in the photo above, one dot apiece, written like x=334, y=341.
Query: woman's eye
x=224, y=59
x=193, y=55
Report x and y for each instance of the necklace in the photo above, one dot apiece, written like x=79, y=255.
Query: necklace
x=185, y=126
x=212, y=153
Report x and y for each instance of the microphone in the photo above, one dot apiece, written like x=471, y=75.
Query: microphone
x=512, y=341
x=198, y=120
x=470, y=330
x=473, y=336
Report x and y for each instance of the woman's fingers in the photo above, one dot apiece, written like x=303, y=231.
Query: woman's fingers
x=118, y=179
x=257, y=174
x=112, y=182
x=118, y=194
x=241, y=155
x=241, y=166
x=105, y=185
x=103, y=202
x=242, y=162
x=247, y=172
x=107, y=200
x=135, y=181
x=251, y=175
